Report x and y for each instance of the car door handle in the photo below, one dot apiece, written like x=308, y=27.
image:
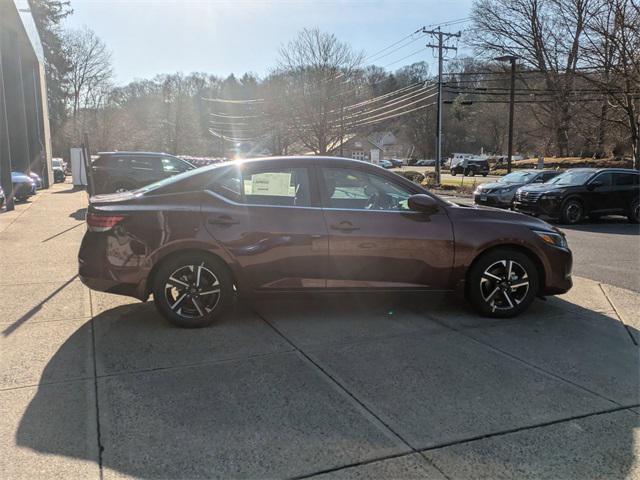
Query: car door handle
x=222, y=220
x=344, y=227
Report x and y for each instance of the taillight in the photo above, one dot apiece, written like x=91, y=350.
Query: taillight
x=101, y=223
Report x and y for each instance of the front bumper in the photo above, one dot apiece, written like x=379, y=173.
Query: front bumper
x=558, y=266
x=492, y=200
x=546, y=207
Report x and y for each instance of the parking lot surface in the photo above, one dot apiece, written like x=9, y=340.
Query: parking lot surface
x=100, y=386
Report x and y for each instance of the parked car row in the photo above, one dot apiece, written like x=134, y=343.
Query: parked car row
x=27, y=184
x=569, y=197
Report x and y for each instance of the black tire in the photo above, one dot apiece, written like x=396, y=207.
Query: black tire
x=493, y=295
x=453, y=173
x=634, y=211
x=182, y=301
x=122, y=187
x=471, y=173
x=572, y=212
x=22, y=199
x=484, y=174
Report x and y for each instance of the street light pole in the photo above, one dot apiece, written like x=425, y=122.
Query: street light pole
x=512, y=98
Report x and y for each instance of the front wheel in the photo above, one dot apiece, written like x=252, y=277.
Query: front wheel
x=192, y=290
x=502, y=283
x=471, y=173
x=453, y=173
x=572, y=212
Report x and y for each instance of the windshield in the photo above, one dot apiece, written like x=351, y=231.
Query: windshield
x=576, y=177
x=517, y=177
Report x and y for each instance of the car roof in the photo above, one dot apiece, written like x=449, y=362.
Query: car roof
x=135, y=153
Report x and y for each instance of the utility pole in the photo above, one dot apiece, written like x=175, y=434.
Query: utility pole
x=512, y=102
x=441, y=47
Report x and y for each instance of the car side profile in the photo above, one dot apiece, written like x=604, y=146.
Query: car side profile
x=123, y=171
x=583, y=192
x=470, y=168
x=196, y=240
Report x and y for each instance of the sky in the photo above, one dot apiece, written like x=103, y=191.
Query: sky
x=149, y=37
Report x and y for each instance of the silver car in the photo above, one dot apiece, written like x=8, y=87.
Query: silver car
x=501, y=193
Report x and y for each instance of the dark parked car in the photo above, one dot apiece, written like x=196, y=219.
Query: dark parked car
x=23, y=186
x=2, y=198
x=425, y=163
x=59, y=174
x=396, y=162
x=124, y=171
x=471, y=168
x=311, y=223
x=501, y=193
x=583, y=192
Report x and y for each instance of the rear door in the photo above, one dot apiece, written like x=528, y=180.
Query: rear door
x=625, y=189
x=267, y=216
x=375, y=241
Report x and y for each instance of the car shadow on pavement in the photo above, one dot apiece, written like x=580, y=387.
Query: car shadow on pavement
x=205, y=375
x=609, y=225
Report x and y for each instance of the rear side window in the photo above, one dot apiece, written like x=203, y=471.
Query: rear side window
x=141, y=163
x=277, y=186
x=270, y=186
x=228, y=185
x=625, y=179
x=174, y=165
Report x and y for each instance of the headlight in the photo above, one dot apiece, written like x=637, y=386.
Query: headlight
x=551, y=195
x=552, y=238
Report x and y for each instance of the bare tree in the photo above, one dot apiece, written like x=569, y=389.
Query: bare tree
x=88, y=78
x=545, y=35
x=612, y=49
x=319, y=68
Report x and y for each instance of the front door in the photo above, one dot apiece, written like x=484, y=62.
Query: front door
x=375, y=241
x=270, y=223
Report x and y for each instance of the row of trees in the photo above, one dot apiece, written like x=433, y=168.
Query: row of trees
x=577, y=91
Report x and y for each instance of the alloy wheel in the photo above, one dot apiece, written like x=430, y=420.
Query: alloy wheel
x=192, y=291
x=573, y=212
x=504, y=285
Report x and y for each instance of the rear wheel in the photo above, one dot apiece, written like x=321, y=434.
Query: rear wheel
x=192, y=290
x=572, y=212
x=453, y=173
x=471, y=172
x=502, y=283
x=634, y=211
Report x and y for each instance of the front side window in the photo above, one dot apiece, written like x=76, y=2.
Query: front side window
x=355, y=189
x=140, y=163
x=605, y=178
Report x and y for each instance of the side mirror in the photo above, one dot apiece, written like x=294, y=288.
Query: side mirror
x=423, y=203
x=594, y=185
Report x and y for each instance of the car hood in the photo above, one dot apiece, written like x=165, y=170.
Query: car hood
x=492, y=185
x=543, y=187
x=506, y=216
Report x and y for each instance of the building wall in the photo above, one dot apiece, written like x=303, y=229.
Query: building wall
x=24, y=119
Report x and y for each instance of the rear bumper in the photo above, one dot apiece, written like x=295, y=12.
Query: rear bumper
x=97, y=272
